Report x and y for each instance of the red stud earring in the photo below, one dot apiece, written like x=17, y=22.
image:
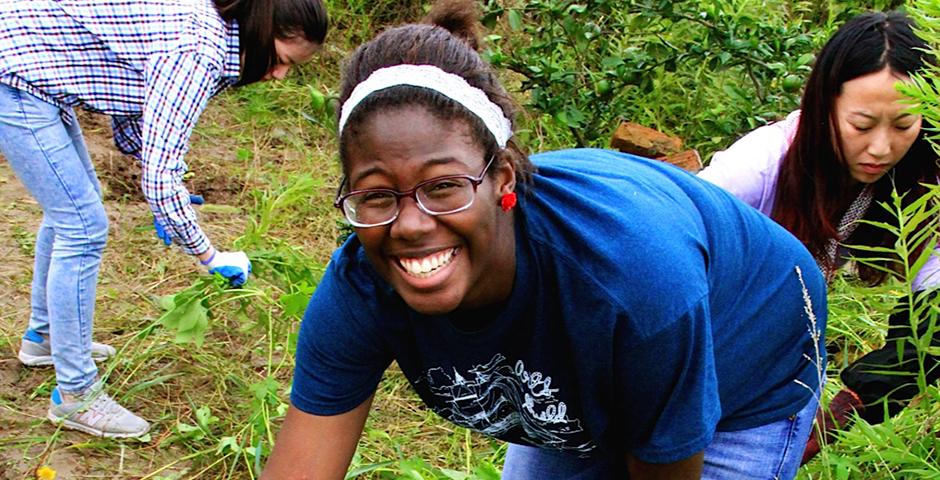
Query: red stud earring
x=508, y=201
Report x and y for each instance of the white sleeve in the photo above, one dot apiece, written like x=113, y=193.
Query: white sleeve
x=928, y=277
x=748, y=169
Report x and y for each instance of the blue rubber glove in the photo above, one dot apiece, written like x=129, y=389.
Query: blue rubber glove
x=234, y=266
x=162, y=234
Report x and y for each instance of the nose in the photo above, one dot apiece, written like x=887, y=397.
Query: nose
x=412, y=222
x=880, y=144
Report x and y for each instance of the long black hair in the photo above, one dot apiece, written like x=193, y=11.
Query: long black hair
x=262, y=21
x=814, y=176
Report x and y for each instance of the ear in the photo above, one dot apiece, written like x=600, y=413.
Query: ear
x=505, y=174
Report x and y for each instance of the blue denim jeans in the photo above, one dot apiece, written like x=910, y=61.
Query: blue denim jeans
x=50, y=158
x=771, y=451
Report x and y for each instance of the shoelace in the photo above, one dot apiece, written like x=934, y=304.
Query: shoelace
x=101, y=408
x=106, y=403
x=101, y=405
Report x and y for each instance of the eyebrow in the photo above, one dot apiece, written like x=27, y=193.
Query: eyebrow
x=873, y=117
x=376, y=169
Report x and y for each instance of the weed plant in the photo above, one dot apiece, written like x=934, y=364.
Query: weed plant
x=908, y=445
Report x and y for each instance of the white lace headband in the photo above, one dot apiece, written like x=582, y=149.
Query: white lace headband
x=451, y=86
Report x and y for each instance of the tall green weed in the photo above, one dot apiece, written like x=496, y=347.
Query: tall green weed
x=908, y=445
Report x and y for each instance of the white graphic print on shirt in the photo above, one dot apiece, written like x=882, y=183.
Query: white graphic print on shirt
x=496, y=397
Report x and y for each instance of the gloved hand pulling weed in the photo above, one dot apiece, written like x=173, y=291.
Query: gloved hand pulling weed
x=162, y=234
x=234, y=266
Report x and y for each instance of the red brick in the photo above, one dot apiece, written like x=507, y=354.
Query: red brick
x=687, y=160
x=644, y=141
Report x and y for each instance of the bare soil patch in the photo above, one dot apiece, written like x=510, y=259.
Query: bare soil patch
x=120, y=174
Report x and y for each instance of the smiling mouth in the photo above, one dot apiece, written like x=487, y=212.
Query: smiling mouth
x=424, y=267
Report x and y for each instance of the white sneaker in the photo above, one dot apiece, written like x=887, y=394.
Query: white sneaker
x=36, y=350
x=95, y=412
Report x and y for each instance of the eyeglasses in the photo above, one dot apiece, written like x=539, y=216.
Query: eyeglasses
x=373, y=207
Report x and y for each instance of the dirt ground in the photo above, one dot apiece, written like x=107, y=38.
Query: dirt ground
x=125, y=292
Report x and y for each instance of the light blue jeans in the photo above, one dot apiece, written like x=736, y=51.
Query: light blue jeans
x=50, y=158
x=771, y=451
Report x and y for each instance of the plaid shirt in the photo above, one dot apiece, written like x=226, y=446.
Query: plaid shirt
x=150, y=64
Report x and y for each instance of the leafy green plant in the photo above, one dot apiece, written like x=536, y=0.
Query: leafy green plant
x=360, y=20
x=587, y=64
x=706, y=70
x=271, y=304
x=408, y=468
x=907, y=445
x=899, y=446
x=924, y=87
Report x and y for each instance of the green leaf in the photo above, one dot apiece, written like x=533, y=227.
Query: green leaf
x=486, y=471
x=515, y=19
x=806, y=59
x=230, y=444
x=454, y=474
x=166, y=302
x=577, y=9
x=295, y=303
x=189, y=319
x=205, y=418
x=186, y=428
x=265, y=388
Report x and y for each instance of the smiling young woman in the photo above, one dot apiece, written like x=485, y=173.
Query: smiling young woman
x=438, y=263
x=598, y=312
x=827, y=166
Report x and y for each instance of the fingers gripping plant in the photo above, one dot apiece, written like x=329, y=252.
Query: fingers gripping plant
x=267, y=310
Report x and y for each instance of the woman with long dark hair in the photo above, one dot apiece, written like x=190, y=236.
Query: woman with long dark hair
x=829, y=165
x=151, y=65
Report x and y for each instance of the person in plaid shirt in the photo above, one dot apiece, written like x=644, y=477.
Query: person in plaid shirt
x=151, y=65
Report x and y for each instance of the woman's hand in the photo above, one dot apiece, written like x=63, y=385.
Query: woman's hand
x=234, y=266
x=313, y=446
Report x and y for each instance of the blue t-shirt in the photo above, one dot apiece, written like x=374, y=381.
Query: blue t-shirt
x=649, y=310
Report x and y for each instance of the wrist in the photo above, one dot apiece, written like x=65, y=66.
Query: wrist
x=205, y=258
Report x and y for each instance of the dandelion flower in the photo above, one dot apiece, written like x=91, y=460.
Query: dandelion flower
x=45, y=472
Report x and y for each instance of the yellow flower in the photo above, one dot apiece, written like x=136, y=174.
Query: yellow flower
x=45, y=473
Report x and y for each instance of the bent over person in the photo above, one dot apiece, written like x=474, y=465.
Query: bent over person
x=151, y=65
x=603, y=313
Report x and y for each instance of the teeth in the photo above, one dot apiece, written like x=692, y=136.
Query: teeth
x=425, y=267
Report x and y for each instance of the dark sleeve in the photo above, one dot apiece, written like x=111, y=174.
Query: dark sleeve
x=340, y=354
x=669, y=390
